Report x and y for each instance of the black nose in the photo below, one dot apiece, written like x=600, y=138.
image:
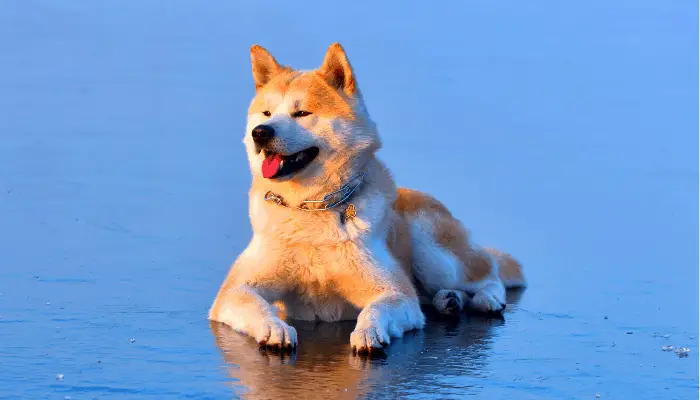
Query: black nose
x=262, y=134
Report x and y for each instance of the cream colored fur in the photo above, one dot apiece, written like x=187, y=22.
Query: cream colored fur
x=314, y=265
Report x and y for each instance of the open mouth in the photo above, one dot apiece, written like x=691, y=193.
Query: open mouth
x=278, y=165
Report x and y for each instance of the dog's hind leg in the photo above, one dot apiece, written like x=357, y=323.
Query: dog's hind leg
x=452, y=268
x=445, y=262
x=444, y=275
x=467, y=278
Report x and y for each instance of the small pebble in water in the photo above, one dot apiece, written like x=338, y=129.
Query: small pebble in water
x=667, y=348
x=597, y=395
x=683, y=352
x=629, y=332
x=605, y=317
x=132, y=340
x=59, y=377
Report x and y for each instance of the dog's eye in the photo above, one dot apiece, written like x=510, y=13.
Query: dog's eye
x=299, y=114
x=267, y=113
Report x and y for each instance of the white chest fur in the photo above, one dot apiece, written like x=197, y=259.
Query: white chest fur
x=310, y=252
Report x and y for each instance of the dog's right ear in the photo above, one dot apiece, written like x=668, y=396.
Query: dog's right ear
x=264, y=66
x=337, y=70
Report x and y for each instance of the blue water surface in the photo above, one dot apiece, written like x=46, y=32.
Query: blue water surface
x=565, y=132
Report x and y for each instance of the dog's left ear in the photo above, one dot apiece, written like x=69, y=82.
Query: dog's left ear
x=337, y=70
x=264, y=66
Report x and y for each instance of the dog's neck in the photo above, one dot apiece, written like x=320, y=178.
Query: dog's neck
x=329, y=201
x=325, y=194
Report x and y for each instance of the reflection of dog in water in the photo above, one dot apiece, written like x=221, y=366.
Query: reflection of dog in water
x=324, y=367
x=333, y=238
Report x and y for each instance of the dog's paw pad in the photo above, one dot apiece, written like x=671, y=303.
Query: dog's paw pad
x=448, y=302
x=452, y=306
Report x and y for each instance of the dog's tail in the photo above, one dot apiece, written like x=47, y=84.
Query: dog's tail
x=510, y=270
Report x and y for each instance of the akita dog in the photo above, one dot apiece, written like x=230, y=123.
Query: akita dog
x=333, y=238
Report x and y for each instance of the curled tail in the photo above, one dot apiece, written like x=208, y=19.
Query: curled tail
x=510, y=270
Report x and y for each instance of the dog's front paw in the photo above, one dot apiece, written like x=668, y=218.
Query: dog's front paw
x=276, y=334
x=367, y=340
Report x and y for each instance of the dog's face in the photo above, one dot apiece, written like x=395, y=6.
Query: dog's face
x=304, y=127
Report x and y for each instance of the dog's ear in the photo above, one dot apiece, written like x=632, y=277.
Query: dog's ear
x=264, y=66
x=337, y=70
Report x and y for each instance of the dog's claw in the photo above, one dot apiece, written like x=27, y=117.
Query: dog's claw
x=369, y=350
x=276, y=348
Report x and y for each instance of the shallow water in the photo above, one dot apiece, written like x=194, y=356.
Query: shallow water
x=563, y=132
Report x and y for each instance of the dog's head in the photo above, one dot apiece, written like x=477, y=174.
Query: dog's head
x=306, y=128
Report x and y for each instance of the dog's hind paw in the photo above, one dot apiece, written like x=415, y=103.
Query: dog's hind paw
x=486, y=302
x=449, y=302
x=275, y=334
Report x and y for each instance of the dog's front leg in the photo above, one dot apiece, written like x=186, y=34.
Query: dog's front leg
x=388, y=300
x=247, y=311
x=390, y=315
x=244, y=300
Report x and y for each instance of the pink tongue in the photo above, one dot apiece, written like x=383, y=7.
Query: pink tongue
x=271, y=165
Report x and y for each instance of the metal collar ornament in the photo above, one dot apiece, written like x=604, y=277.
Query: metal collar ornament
x=328, y=202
